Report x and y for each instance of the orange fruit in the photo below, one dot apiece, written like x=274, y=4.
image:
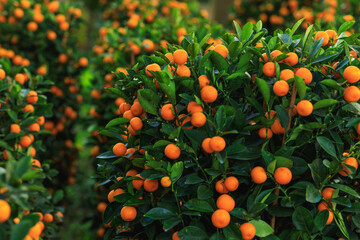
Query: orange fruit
x=5, y=210
x=265, y=133
x=292, y=59
x=25, y=141
x=18, y=13
x=358, y=129
x=327, y=193
x=128, y=213
x=35, y=127
x=136, y=109
x=305, y=74
x=101, y=207
x=138, y=183
x=248, y=231
x=136, y=123
x=180, y=56
x=35, y=231
x=352, y=74
x=269, y=69
x=231, y=183
x=119, y=149
x=351, y=162
x=194, y=107
x=225, y=202
x=170, y=56
x=275, y=53
x=165, y=182
x=152, y=67
x=206, y=145
x=282, y=175
x=175, y=236
x=48, y=218
x=217, y=144
x=220, y=187
x=258, y=175
x=2, y=74
x=277, y=128
x=51, y=35
x=32, y=97
x=183, y=71
x=198, y=119
x=281, y=88
x=171, y=151
x=20, y=78
x=32, y=26
x=148, y=45
x=151, y=185
x=131, y=173
x=286, y=74
x=352, y=94
x=113, y=193
x=203, y=81
x=222, y=50
x=167, y=112
x=220, y=218
x=15, y=128
x=304, y=108
x=332, y=36
x=324, y=36
x=208, y=94
x=83, y=62
x=53, y=6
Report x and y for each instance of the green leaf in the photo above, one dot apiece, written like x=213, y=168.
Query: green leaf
x=199, y=205
x=238, y=30
x=324, y=103
x=166, y=84
x=312, y=194
x=220, y=62
x=295, y=27
x=264, y=89
x=306, y=36
x=20, y=230
x=23, y=166
x=282, y=115
x=170, y=223
x=117, y=121
x=327, y=145
x=301, y=86
x=192, y=233
x=345, y=26
x=12, y=115
x=346, y=189
x=117, y=92
x=161, y=143
x=58, y=196
x=232, y=231
x=176, y=171
x=331, y=83
x=321, y=219
x=159, y=213
x=315, y=47
x=246, y=31
x=107, y=155
x=302, y=219
x=149, y=100
x=262, y=228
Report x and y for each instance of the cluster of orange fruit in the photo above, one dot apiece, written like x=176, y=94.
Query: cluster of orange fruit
x=286, y=13
x=21, y=123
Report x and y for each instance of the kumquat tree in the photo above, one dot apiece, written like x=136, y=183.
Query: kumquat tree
x=158, y=120
x=253, y=137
